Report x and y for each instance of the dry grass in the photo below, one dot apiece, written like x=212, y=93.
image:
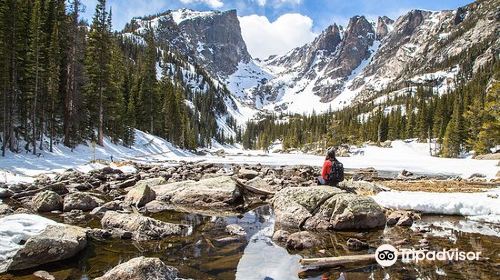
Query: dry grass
x=441, y=186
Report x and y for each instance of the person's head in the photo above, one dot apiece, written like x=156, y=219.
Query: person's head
x=330, y=154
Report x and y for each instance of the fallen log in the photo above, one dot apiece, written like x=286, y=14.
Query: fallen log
x=251, y=189
x=338, y=261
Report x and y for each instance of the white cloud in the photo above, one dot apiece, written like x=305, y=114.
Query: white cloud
x=264, y=38
x=211, y=3
x=278, y=2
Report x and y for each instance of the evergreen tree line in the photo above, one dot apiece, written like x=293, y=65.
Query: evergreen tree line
x=462, y=119
x=62, y=79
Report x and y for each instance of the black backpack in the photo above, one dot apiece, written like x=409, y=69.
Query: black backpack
x=336, y=173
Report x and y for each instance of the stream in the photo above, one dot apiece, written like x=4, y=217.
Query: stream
x=203, y=254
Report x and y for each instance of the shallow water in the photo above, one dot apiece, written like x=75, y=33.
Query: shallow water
x=201, y=255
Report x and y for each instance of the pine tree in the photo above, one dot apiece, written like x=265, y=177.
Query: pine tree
x=453, y=137
x=97, y=67
x=489, y=134
x=36, y=69
x=53, y=79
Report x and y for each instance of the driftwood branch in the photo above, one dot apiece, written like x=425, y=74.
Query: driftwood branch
x=338, y=261
x=251, y=189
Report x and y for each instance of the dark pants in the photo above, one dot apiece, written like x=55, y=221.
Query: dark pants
x=321, y=181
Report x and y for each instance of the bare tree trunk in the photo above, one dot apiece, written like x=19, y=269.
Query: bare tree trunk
x=101, y=119
x=35, y=100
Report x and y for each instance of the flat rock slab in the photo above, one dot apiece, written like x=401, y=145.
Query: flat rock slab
x=141, y=227
x=213, y=193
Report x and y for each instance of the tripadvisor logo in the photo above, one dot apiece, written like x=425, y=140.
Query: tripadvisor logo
x=387, y=255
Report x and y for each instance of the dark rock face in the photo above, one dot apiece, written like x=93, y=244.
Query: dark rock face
x=383, y=27
x=223, y=45
x=213, y=39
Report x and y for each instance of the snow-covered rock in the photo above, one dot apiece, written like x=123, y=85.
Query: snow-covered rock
x=29, y=240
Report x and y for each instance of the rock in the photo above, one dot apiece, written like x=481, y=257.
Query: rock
x=42, y=274
x=151, y=182
x=99, y=234
x=405, y=221
x=343, y=151
x=281, y=235
x=57, y=242
x=293, y=205
x=248, y=174
x=494, y=156
x=5, y=193
x=354, y=244
x=112, y=205
x=262, y=184
x=141, y=268
x=345, y=211
x=218, y=193
x=142, y=227
x=140, y=195
x=302, y=240
x=47, y=201
x=400, y=218
x=325, y=207
x=74, y=216
x=477, y=176
x=235, y=229
x=5, y=209
x=364, y=174
x=362, y=187
x=405, y=173
x=80, y=201
x=386, y=144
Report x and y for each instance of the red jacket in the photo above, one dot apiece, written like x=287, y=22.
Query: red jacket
x=327, y=167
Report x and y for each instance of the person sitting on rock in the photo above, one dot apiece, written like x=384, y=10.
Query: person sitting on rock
x=332, y=172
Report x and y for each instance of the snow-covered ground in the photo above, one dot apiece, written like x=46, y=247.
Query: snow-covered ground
x=483, y=206
x=151, y=149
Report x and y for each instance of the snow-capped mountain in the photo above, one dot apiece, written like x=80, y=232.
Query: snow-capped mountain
x=341, y=66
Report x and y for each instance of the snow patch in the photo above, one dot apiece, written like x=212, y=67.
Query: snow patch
x=465, y=204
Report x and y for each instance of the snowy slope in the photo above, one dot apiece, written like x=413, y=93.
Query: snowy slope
x=151, y=149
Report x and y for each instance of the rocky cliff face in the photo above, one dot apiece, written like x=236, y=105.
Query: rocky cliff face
x=212, y=39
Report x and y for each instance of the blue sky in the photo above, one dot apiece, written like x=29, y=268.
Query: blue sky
x=321, y=13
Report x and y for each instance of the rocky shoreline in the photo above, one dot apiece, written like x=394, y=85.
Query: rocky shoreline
x=122, y=202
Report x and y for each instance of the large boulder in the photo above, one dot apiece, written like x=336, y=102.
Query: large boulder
x=141, y=268
x=80, y=201
x=140, y=195
x=213, y=193
x=324, y=207
x=346, y=211
x=47, y=201
x=33, y=240
x=293, y=205
x=141, y=227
